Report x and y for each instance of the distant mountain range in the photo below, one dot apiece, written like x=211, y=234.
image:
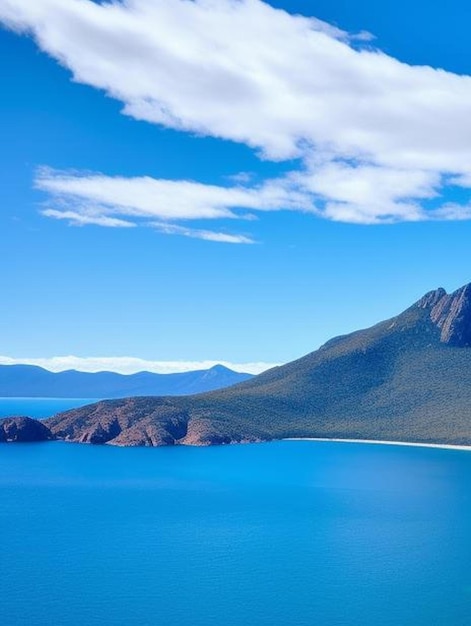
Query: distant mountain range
x=405, y=379
x=28, y=381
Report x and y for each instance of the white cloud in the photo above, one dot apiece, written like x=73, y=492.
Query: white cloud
x=87, y=217
x=369, y=194
x=335, y=190
x=197, y=233
x=130, y=365
x=145, y=197
x=377, y=138
x=454, y=211
x=98, y=199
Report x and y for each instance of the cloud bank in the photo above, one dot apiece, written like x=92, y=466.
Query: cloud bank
x=130, y=365
x=376, y=140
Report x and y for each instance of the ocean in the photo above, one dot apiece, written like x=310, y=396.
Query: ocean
x=292, y=533
x=40, y=407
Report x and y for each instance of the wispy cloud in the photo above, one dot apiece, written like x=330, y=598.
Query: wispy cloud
x=130, y=365
x=197, y=233
x=117, y=202
x=86, y=217
x=376, y=138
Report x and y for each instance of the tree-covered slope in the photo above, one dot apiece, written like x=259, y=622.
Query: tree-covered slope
x=405, y=379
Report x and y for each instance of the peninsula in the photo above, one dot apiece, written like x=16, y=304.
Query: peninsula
x=404, y=379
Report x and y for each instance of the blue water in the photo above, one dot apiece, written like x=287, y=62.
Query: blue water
x=278, y=534
x=40, y=407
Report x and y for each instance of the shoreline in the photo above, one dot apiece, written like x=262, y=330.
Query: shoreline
x=442, y=446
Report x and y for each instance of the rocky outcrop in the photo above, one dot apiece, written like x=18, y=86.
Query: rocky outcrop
x=451, y=313
x=127, y=422
x=203, y=431
x=23, y=429
x=431, y=298
x=142, y=422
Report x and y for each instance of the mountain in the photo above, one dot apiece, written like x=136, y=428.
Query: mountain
x=28, y=381
x=405, y=379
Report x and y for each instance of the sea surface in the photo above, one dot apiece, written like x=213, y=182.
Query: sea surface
x=40, y=407
x=279, y=534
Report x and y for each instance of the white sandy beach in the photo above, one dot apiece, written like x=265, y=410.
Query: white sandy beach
x=386, y=443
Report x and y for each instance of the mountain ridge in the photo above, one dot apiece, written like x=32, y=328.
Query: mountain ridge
x=33, y=381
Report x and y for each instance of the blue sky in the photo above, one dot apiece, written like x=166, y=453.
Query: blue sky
x=224, y=181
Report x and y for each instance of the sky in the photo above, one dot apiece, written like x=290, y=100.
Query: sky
x=190, y=182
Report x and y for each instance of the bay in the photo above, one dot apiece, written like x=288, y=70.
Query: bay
x=291, y=533
x=40, y=407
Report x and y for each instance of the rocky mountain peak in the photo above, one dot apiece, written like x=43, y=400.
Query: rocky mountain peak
x=451, y=313
x=431, y=298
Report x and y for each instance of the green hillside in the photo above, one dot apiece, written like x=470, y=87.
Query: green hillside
x=405, y=379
